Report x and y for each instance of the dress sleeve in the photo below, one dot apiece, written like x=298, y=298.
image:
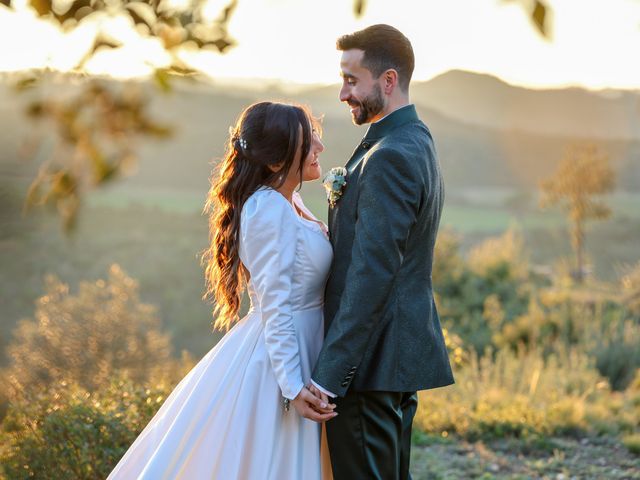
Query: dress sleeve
x=268, y=235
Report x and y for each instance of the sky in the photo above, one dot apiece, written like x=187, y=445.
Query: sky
x=594, y=43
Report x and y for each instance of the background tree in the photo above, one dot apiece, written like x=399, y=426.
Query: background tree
x=96, y=128
x=582, y=175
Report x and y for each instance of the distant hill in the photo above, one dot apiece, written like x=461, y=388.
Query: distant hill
x=487, y=133
x=571, y=112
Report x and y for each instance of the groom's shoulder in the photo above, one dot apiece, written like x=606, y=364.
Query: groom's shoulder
x=415, y=130
x=408, y=139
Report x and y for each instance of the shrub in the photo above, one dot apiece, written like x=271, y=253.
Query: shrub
x=69, y=433
x=632, y=442
x=86, y=337
x=477, y=296
x=617, y=353
x=522, y=393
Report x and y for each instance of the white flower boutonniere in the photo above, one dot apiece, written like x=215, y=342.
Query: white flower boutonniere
x=334, y=182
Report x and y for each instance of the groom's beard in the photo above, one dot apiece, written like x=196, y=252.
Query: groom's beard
x=368, y=107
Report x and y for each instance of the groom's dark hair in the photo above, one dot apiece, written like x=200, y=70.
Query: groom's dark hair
x=384, y=47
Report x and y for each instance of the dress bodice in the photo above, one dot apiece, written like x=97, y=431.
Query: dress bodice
x=312, y=255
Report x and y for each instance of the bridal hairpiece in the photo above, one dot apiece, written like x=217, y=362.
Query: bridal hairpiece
x=243, y=143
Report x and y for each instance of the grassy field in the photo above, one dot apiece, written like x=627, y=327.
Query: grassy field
x=474, y=213
x=434, y=458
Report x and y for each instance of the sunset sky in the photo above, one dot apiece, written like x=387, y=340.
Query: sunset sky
x=595, y=43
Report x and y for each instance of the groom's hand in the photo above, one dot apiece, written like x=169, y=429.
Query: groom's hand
x=320, y=394
x=312, y=407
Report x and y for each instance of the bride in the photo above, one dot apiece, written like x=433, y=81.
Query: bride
x=230, y=416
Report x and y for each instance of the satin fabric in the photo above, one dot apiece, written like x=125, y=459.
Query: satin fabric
x=225, y=419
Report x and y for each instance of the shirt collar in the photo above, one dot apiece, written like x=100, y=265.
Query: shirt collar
x=387, y=123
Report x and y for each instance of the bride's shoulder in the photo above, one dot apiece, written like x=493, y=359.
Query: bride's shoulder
x=266, y=202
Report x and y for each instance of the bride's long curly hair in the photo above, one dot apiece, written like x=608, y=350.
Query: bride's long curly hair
x=266, y=134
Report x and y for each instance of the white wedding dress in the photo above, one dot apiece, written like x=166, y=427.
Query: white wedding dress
x=225, y=419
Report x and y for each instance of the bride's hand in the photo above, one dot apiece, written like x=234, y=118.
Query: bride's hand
x=311, y=407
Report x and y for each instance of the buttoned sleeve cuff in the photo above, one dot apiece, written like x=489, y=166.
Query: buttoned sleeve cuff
x=323, y=390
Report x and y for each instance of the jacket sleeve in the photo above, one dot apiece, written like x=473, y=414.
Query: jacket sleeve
x=269, y=236
x=388, y=201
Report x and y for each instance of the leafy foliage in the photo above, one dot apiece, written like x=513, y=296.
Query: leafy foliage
x=523, y=393
x=173, y=23
x=492, y=300
x=96, y=133
x=476, y=296
x=88, y=337
x=97, y=128
x=70, y=433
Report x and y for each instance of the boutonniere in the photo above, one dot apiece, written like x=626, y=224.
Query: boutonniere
x=334, y=182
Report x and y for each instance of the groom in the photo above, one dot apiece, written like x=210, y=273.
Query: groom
x=383, y=339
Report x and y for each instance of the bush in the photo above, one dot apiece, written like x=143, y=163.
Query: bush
x=632, y=442
x=85, y=338
x=522, y=393
x=617, y=353
x=477, y=296
x=69, y=433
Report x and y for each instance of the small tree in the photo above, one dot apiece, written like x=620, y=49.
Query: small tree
x=583, y=174
x=86, y=338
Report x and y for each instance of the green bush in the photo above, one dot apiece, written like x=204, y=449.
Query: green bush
x=617, y=353
x=495, y=271
x=632, y=442
x=69, y=433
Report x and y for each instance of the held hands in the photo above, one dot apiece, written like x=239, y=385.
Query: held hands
x=314, y=405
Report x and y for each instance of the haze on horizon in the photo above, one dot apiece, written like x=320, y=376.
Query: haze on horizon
x=293, y=41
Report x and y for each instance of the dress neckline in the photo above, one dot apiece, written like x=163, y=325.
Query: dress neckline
x=311, y=222
x=299, y=206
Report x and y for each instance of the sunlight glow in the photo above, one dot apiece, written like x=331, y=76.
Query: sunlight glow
x=293, y=40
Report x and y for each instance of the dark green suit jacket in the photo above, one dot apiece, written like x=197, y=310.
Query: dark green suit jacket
x=382, y=330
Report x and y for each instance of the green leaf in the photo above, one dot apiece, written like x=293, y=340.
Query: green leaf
x=539, y=18
x=104, y=42
x=26, y=82
x=161, y=76
x=42, y=7
x=228, y=11
x=72, y=9
x=141, y=13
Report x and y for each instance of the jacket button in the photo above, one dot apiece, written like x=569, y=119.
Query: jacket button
x=366, y=145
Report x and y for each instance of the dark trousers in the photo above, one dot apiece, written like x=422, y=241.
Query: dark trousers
x=370, y=439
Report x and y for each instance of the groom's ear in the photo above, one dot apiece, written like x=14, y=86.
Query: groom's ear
x=390, y=78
